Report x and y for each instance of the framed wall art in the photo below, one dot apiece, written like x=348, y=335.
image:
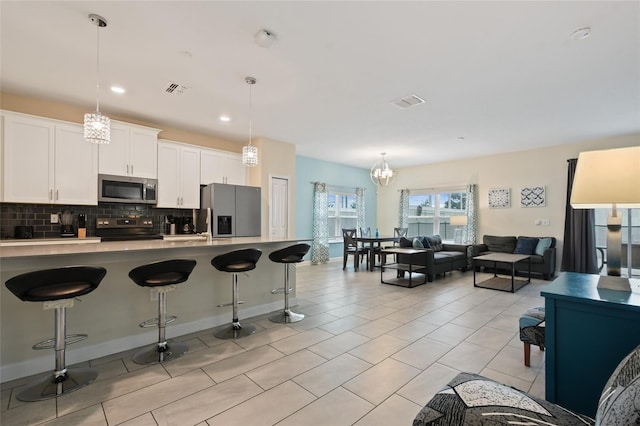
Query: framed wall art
x=500, y=198
x=532, y=196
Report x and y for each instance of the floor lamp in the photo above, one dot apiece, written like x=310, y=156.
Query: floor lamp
x=608, y=178
x=459, y=222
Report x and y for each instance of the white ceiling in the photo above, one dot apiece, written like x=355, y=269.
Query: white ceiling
x=504, y=76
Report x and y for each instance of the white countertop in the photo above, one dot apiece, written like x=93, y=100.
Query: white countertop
x=67, y=246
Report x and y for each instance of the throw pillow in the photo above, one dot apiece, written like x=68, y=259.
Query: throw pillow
x=542, y=246
x=617, y=404
x=425, y=242
x=406, y=242
x=526, y=245
x=435, y=242
x=417, y=243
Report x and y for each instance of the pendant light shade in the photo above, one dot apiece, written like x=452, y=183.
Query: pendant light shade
x=97, y=127
x=250, y=152
x=381, y=174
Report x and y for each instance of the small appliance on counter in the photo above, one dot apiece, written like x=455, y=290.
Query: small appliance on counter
x=21, y=232
x=82, y=226
x=66, y=224
x=186, y=225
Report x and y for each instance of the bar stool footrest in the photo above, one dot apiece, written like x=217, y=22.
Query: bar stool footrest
x=70, y=339
x=153, y=322
x=51, y=387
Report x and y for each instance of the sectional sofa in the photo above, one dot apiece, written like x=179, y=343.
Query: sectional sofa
x=438, y=257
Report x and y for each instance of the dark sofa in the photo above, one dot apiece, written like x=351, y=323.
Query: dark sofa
x=438, y=257
x=543, y=258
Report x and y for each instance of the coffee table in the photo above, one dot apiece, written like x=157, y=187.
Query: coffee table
x=501, y=283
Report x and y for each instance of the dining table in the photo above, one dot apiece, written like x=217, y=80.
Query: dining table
x=371, y=243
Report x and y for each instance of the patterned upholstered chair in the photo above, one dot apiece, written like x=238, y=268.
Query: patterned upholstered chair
x=532, y=328
x=471, y=399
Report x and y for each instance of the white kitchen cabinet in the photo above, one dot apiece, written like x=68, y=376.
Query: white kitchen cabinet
x=222, y=167
x=178, y=175
x=48, y=161
x=131, y=152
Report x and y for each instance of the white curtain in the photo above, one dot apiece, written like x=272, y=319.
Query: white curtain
x=320, y=245
x=403, y=221
x=360, y=210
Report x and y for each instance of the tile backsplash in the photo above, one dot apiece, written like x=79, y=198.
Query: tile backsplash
x=39, y=216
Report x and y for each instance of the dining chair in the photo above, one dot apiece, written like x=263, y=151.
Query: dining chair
x=366, y=232
x=397, y=233
x=351, y=247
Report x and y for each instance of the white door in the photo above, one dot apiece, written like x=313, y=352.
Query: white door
x=279, y=212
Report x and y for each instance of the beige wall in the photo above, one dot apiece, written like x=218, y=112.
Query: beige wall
x=276, y=159
x=61, y=111
x=544, y=166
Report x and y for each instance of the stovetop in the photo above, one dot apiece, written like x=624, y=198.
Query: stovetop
x=126, y=229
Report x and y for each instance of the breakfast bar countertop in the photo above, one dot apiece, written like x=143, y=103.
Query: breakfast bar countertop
x=31, y=248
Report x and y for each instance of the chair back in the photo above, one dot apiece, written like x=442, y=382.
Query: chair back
x=365, y=231
x=399, y=233
x=349, y=237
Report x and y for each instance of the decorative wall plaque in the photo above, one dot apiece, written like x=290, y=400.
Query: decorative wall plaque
x=499, y=198
x=532, y=196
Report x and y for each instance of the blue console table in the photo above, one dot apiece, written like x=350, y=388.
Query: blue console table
x=588, y=332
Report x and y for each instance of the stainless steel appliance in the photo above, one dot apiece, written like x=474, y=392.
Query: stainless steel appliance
x=127, y=189
x=66, y=224
x=126, y=229
x=235, y=210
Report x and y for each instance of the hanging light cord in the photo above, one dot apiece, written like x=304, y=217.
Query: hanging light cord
x=250, y=86
x=98, y=69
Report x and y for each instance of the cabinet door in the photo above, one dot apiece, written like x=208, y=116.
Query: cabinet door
x=114, y=156
x=210, y=171
x=143, y=153
x=28, y=159
x=234, y=171
x=168, y=155
x=75, y=166
x=190, y=178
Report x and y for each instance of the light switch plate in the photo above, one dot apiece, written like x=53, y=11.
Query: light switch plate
x=54, y=218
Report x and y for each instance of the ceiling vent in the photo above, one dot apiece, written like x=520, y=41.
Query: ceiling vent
x=175, y=89
x=408, y=101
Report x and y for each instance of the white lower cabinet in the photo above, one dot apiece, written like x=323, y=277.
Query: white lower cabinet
x=221, y=167
x=48, y=162
x=178, y=175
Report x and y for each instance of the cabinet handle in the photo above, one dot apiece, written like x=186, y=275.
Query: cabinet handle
x=51, y=194
x=56, y=195
x=178, y=201
x=132, y=169
x=127, y=169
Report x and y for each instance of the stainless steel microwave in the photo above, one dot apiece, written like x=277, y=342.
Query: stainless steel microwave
x=127, y=189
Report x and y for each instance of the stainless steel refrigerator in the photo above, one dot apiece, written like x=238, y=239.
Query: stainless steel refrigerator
x=235, y=209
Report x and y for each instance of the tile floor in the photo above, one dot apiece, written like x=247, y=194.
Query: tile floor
x=366, y=354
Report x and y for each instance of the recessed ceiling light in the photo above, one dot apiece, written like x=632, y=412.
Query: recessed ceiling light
x=581, y=34
x=117, y=89
x=265, y=38
x=225, y=118
x=460, y=138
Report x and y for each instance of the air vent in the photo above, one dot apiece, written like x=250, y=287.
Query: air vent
x=175, y=89
x=408, y=101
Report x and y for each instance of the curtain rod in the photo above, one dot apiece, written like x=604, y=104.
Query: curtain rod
x=338, y=186
x=440, y=188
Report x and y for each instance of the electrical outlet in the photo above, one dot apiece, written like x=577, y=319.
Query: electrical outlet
x=538, y=222
x=54, y=218
x=545, y=222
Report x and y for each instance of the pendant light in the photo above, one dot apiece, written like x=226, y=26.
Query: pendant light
x=250, y=152
x=380, y=173
x=97, y=127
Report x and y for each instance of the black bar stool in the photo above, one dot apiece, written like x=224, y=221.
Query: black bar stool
x=235, y=262
x=57, y=288
x=163, y=277
x=287, y=255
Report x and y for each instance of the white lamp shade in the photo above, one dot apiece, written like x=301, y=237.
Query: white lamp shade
x=607, y=177
x=458, y=220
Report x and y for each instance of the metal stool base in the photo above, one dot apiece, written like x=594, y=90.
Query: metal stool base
x=46, y=388
x=152, y=355
x=286, y=316
x=235, y=331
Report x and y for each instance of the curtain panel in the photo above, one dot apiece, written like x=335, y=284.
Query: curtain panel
x=470, y=234
x=403, y=221
x=360, y=209
x=320, y=244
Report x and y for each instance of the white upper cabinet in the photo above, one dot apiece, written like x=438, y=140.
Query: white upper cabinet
x=221, y=167
x=178, y=175
x=132, y=151
x=48, y=161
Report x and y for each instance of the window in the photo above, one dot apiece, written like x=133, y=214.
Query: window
x=342, y=213
x=429, y=211
x=601, y=237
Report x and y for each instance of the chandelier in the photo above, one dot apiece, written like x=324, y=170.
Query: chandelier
x=97, y=127
x=380, y=173
x=250, y=152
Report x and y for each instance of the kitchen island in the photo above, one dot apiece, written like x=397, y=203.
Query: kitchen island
x=110, y=315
